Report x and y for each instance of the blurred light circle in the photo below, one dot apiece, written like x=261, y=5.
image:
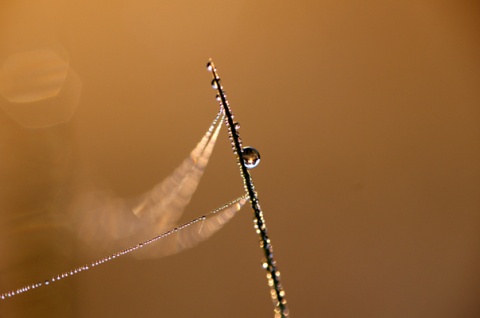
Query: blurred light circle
x=40, y=87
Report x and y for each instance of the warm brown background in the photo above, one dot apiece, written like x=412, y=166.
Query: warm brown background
x=367, y=116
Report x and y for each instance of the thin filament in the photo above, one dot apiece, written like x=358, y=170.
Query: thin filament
x=220, y=216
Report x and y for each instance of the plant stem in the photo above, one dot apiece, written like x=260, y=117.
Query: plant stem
x=273, y=275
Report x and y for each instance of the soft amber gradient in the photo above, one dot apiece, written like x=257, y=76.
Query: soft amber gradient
x=366, y=115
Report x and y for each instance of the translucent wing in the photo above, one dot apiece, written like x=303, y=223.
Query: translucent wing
x=106, y=222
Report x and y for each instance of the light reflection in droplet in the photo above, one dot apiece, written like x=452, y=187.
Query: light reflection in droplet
x=250, y=157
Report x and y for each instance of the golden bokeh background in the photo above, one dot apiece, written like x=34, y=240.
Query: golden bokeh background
x=366, y=114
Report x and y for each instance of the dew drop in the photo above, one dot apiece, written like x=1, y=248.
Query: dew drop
x=210, y=66
x=236, y=125
x=215, y=83
x=250, y=157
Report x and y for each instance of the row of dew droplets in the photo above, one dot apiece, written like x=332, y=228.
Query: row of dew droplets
x=250, y=155
x=110, y=257
x=248, y=158
x=99, y=261
x=237, y=202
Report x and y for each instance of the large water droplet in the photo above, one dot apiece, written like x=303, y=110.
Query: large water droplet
x=250, y=157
